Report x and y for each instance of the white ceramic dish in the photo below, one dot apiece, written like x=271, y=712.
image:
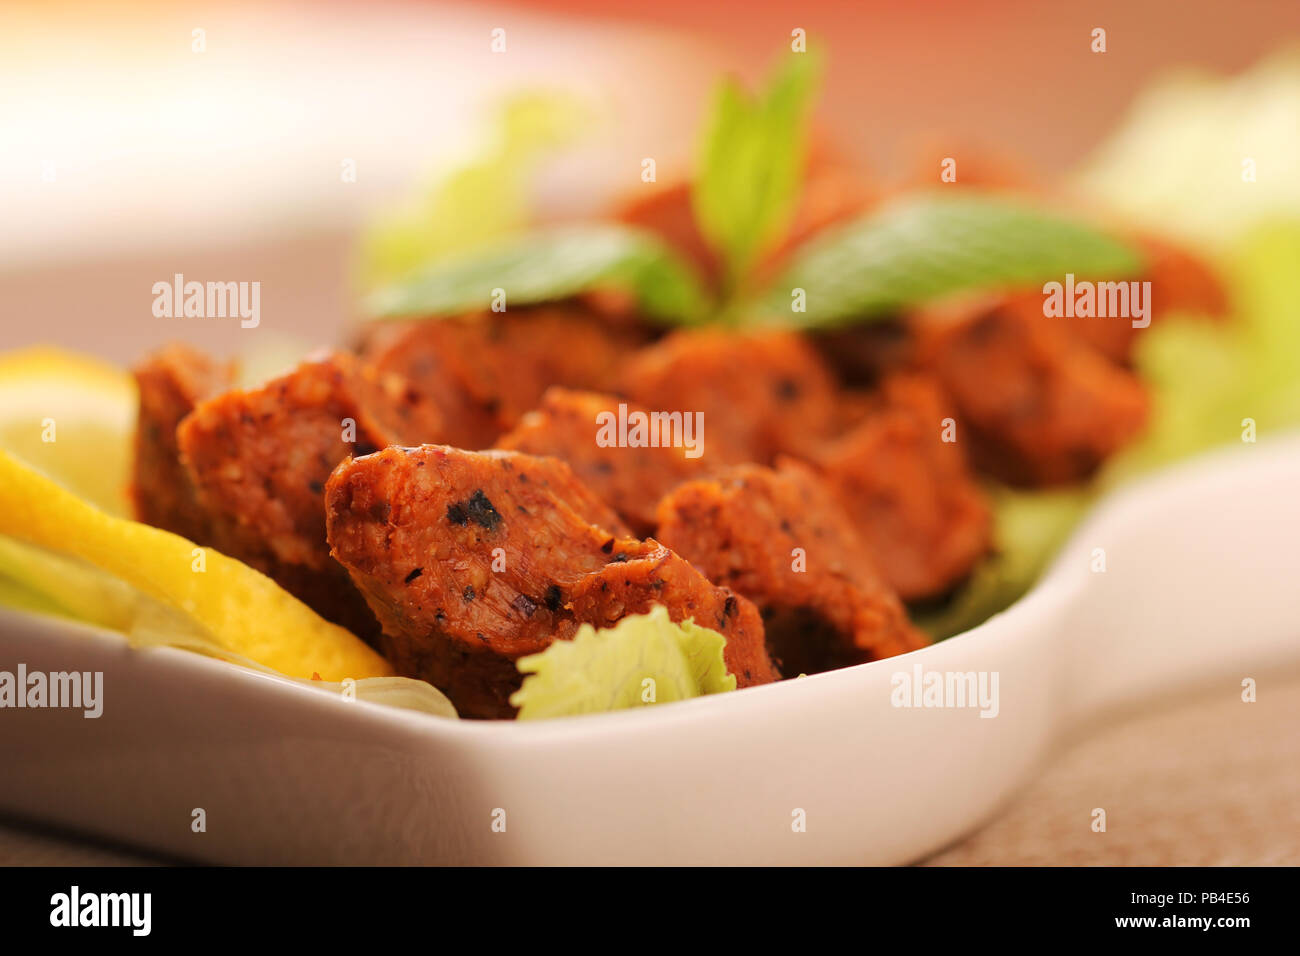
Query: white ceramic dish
x=1201, y=585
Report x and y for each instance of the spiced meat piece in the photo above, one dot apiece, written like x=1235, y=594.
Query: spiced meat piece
x=486, y=370
x=471, y=560
x=625, y=472
x=259, y=460
x=1180, y=282
x=430, y=354
x=1039, y=406
x=761, y=393
x=863, y=354
x=781, y=539
x=909, y=493
x=171, y=382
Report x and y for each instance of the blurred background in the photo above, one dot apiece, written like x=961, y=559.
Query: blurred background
x=142, y=139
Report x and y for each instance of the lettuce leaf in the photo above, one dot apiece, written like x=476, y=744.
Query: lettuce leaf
x=479, y=201
x=1178, y=163
x=643, y=659
x=1207, y=378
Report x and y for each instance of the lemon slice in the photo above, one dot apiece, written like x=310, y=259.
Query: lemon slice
x=71, y=417
x=242, y=611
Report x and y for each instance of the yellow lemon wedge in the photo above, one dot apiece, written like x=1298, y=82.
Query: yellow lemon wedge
x=242, y=610
x=71, y=418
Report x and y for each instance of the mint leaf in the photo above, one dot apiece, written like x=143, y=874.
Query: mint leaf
x=644, y=659
x=924, y=247
x=751, y=162
x=546, y=266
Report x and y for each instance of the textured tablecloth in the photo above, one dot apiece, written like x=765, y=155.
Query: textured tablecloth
x=1202, y=780
x=1205, y=780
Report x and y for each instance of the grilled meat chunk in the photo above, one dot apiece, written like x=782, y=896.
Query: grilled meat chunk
x=1038, y=405
x=781, y=539
x=259, y=460
x=171, y=382
x=630, y=478
x=471, y=560
x=761, y=394
x=485, y=371
x=909, y=493
x=1180, y=282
